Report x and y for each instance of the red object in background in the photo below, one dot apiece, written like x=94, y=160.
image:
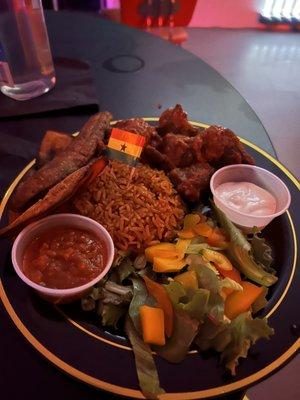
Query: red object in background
x=130, y=14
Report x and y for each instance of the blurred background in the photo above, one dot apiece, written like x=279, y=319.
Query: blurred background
x=259, y=14
x=242, y=39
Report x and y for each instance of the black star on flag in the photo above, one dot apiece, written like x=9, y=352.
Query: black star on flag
x=123, y=147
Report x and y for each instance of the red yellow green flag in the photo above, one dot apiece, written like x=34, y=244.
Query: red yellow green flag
x=125, y=146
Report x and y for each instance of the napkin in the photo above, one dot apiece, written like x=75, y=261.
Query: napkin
x=73, y=90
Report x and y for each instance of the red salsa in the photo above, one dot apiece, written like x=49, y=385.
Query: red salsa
x=64, y=258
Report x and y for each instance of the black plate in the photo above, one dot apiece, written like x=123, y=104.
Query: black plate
x=87, y=352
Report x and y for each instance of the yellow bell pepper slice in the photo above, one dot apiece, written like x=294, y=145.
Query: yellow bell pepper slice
x=186, y=234
x=152, y=320
x=188, y=279
x=203, y=229
x=165, y=250
x=190, y=220
x=161, y=264
x=218, y=258
x=181, y=247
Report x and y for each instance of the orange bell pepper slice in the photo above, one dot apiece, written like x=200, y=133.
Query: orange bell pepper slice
x=152, y=321
x=239, y=302
x=96, y=169
x=161, y=296
x=233, y=273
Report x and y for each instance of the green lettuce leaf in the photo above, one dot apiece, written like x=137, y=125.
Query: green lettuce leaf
x=260, y=302
x=184, y=331
x=215, y=308
x=235, y=235
x=124, y=269
x=119, y=257
x=240, y=252
x=207, y=333
x=196, y=302
x=196, y=307
x=207, y=276
x=110, y=314
x=233, y=339
x=140, y=298
x=262, y=252
x=88, y=301
x=144, y=362
x=197, y=248
x=244, y=331
x=88, y=304
x=246, y=264
x=175, y=291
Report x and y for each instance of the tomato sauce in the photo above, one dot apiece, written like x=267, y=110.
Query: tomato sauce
x=64, y=258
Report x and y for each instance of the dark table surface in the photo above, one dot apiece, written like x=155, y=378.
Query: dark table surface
x=134, y=74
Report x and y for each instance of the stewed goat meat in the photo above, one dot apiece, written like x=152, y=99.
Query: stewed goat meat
x=191, y=182
x=175, y=120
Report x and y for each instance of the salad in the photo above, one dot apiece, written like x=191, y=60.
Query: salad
x=200, y=291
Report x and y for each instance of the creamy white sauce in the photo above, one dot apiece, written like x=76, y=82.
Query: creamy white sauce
x=247, y=198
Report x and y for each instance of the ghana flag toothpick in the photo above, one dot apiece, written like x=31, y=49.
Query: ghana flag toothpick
x=125, y=146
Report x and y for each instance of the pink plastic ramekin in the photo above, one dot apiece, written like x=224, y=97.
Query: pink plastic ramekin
x=260, y=177
x=61, y=220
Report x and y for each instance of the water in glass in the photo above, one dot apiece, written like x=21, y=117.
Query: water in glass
x=26, y=66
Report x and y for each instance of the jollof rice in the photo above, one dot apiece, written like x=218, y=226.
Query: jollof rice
x=137, y=212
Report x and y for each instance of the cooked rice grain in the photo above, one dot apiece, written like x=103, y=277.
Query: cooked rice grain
x=135, y=213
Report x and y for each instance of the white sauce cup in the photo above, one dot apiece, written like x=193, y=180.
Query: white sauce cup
x=260, y=177
x=67, y=221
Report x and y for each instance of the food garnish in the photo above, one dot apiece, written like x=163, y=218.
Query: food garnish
x=191, y=292
x=240, y=251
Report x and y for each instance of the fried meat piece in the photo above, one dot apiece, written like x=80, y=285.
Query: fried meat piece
x=53, y=142
x=155, y=159
x=54, y=198
x=76, y=155
x=178, y=149
x=196, y=148
x=222, y=147
x=193, y=181
x=175, y=120
x=138, y=126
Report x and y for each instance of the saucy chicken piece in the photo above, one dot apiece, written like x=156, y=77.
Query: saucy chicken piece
x=222, y=147
x=193, y=181
x=138, y=126
x=196, y=148
x=178, y=149
x=155, y=159
x=175, y=120
x=77, y=154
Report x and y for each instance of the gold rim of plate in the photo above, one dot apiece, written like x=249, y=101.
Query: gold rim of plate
x=137, y=393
